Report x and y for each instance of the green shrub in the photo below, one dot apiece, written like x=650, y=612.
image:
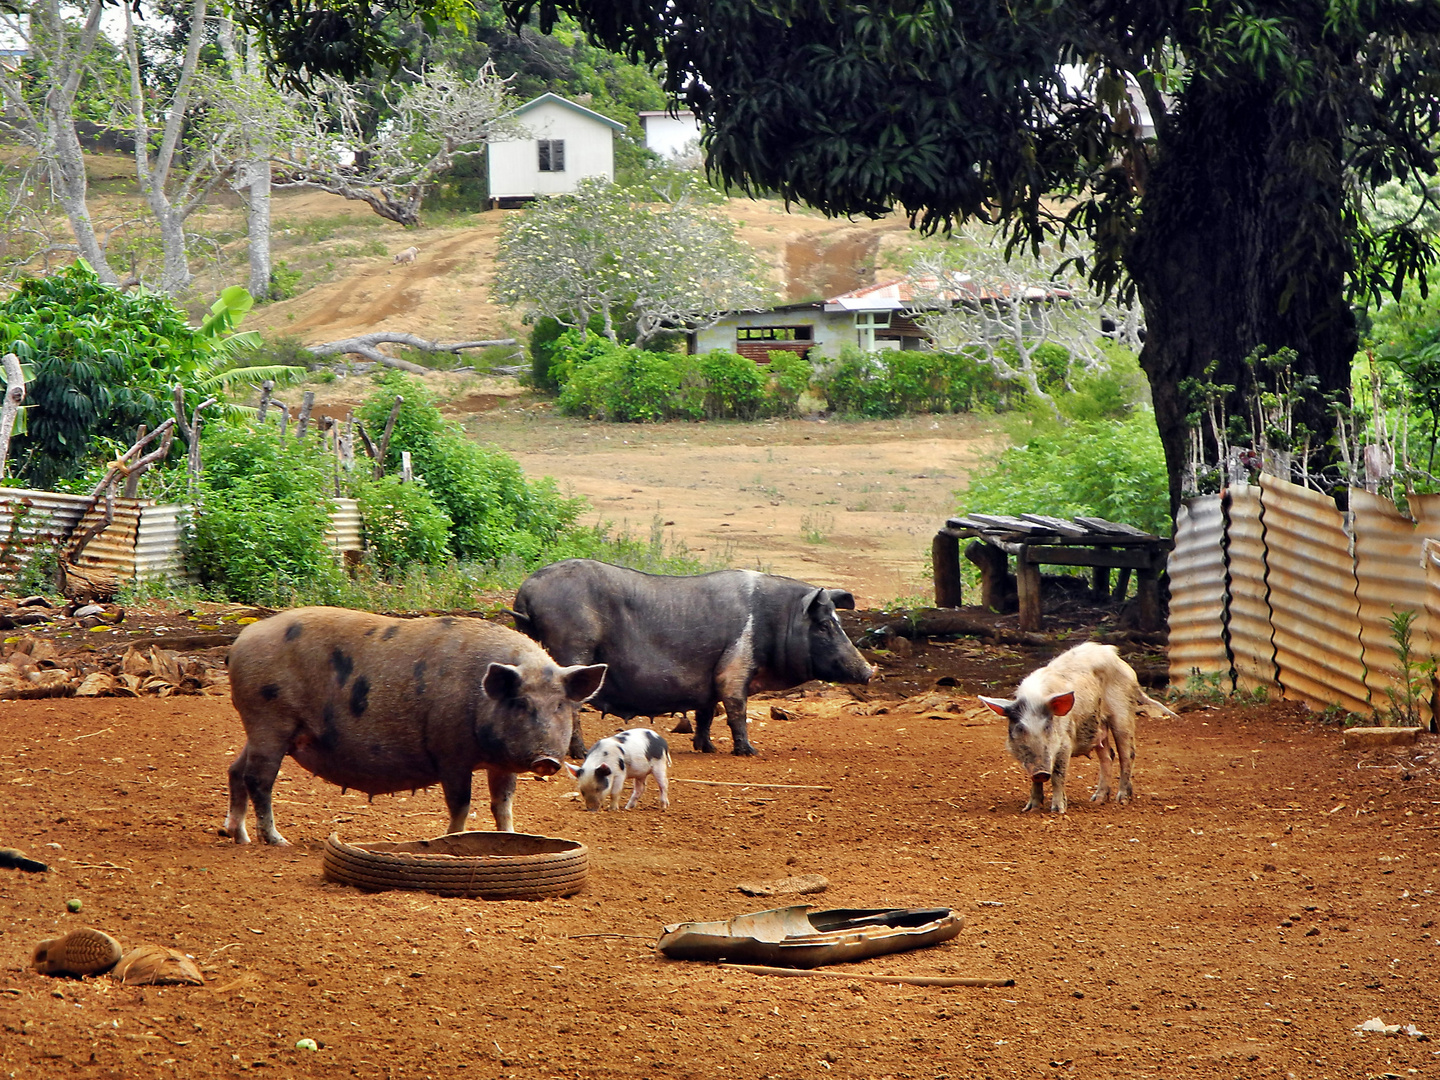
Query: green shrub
x=259, y=533
x=1114, y=469
x=102, y=362
x=403, y=523
x=789, y=376
x=284, y=282
x=734, y=385
x=895, y=382
x=606, y=381
x=494, y=511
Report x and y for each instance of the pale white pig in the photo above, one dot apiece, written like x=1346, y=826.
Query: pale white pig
x=1081, y=702
x=639, y=753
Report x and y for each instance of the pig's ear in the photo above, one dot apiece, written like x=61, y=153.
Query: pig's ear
x=841, y=599
x=602, y=771
x=998, y=705
x=572, y=769
x=1061, y=704
x=583, y=683
x=502, y=681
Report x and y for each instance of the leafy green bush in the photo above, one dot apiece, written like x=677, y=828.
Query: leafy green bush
x=494, y=511
x=403, y=523
x=734, y=385
x=259, y=532
x=1110, y=392
x=895, y=382
x=102, y=362
x=789, y=376
x=606, y=381
x=1114, y=469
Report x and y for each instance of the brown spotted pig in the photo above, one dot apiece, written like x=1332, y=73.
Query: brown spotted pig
x=384, y=705
x=1081, y=702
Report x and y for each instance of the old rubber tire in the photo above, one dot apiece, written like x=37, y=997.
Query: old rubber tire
x=488, y=865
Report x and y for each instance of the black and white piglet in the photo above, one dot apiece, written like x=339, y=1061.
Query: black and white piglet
x=638, y=753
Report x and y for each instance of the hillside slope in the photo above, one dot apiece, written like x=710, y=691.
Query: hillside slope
x=445, y=293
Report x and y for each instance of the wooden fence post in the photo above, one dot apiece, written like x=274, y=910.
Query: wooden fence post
x=307, y=402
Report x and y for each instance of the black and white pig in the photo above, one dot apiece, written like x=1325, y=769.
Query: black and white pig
x=678, y=643
x=383, y=705
x=638, y=753
x=1081, y=702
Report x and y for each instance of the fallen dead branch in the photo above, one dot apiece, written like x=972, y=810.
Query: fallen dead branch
x=905, y=980
x=365, y=345
x=939, y=622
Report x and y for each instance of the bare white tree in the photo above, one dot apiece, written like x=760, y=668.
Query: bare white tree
x=39, y=99
x=172, y=193
x=437, y=118
x=1008, y=311
x=262, y=118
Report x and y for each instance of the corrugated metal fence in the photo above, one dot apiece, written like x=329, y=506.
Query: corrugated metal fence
x=1272, y=586
x=144, y=542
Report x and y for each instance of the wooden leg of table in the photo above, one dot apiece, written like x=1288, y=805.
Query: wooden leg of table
x=1027, y=581
x=1100, y=583
x=945, y=566
x=1122, y=585
x=994, y=567
x=1147, y=595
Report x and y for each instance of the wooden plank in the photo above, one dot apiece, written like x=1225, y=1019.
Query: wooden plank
x=1007, y=523
x=1125, y=558
x=1059, y=525
x=1100, y=525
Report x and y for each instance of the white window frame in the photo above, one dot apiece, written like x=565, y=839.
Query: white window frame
x=866, y=323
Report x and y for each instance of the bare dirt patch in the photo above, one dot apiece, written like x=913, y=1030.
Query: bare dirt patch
x=1266, y=892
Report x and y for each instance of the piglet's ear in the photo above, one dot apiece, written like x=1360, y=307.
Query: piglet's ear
x=1061, y=704
x=998, y=705
x=572, y=769
x=602, y=771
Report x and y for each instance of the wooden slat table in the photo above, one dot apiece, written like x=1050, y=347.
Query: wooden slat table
x=1037, y=540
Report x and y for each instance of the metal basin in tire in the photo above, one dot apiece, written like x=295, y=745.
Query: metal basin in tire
x=488, y=865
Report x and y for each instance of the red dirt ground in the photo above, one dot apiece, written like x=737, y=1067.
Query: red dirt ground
x=1266, y=892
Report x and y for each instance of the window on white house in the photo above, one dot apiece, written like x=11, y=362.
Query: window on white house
x=866, y=323
x=774, y=333
x=552, y=155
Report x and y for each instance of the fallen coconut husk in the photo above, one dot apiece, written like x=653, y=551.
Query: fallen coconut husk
x=155, y=965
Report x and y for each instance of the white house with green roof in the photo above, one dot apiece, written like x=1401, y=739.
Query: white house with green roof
x=567, y=142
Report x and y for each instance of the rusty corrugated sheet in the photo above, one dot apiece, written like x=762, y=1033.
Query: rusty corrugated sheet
x=344, y=532
x=113, y=548
x=1247, y=605
x=159, y=554
x=1197, y=591
x=31, y=522
x=1389, y=579
x=1314, y=612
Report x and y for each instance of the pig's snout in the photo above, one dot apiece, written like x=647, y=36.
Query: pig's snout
x=545, y=766
x=1040, y=777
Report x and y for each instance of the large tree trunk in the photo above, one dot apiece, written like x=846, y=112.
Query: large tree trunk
x=255, y=181
x=60, y=145
x=154, y=174
x=1241, y=243
x=67, y=169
